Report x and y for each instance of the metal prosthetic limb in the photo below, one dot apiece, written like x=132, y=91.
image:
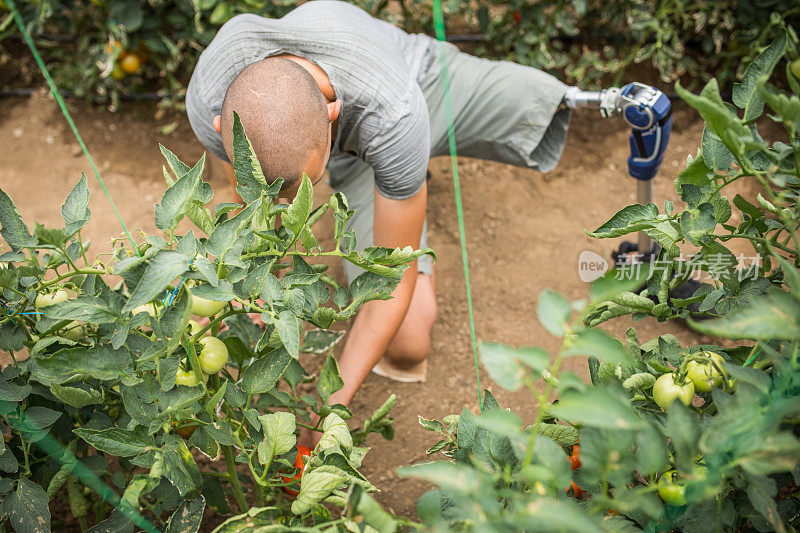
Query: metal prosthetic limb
x=649, y=114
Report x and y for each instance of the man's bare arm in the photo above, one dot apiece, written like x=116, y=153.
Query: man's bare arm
x=396, y=223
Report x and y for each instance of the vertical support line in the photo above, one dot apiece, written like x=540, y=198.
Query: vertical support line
x=438, y=21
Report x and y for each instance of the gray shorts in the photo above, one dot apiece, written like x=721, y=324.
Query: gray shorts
x=502, y=112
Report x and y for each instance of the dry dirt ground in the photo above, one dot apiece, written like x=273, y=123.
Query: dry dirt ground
x=525, y=231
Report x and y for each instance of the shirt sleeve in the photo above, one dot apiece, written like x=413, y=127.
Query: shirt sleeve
x=201, y=116
x=399, y=152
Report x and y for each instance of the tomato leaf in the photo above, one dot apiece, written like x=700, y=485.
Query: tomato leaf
x=86, y=308
x=561, y=434
x=508, y=366
x=12, y=228
x=247, y=170
x=501, y=422
x=630, y=219
x=175, y=199
x=162, y=270
x=771, y=316
x=75, y=210
x=279, y=437
x=187, y=517
x=317, y=485
x=329, y=379
x=746, y=95
x=117, y=441
x=719, y=118
x=288, y=328
x=179, y=465
x=715, y=154
x=554, y=311
x=27, y=508
x=297, y=214
x=601, y=345
x=97, y=362
x=597, y=407
x=262, y=375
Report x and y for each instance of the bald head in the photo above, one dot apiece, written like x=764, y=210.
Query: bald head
x=285, y=116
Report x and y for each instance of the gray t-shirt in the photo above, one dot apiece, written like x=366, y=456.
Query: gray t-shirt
x=374, y=69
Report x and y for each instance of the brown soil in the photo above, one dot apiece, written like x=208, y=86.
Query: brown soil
x=525, y=231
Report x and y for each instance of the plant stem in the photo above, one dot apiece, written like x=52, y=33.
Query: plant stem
x=218, y=320
x=67, y=257
x=71, y=274
x=759, y=240
x=543, y=402
x=234, y=479
x=83, y=250
x=309, y=426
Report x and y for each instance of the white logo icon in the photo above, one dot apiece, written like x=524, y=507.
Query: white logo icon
x=591, y=266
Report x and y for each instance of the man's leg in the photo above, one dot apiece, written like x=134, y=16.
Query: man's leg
x=412, y=343
x=502, y=111
x=406, y=355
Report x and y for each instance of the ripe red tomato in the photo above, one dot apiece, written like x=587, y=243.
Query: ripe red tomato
x=575, y=457
x=300, y=465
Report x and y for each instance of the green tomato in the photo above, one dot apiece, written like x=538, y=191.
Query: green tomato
x=203, y=307
x=186, y=378
x=705, y=376
x=150, y=309
x=46, y=300
x=73, y=331
x=213, y=356
x=795, y=67
x=670, y=491
x=666, y=391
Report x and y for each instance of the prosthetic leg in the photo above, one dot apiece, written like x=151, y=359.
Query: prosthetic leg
x=648, y=112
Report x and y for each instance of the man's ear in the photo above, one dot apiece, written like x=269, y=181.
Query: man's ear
x=333, y=109
x=216, y=123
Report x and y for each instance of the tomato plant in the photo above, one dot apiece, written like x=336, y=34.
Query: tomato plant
x=122, y=390
x=653, y=455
